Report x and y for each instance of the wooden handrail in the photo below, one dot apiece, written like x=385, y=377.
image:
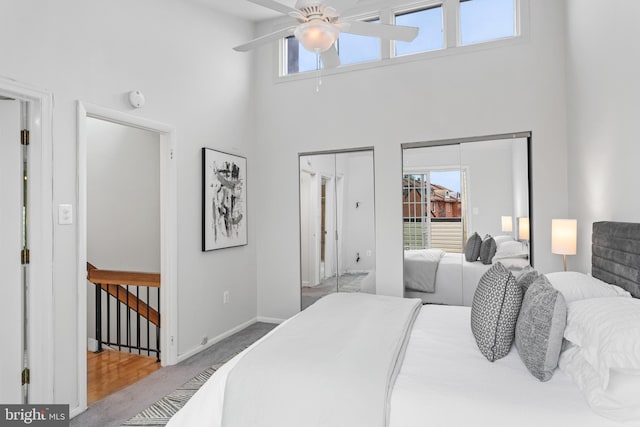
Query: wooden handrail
x=104, y=278
x=112, y=277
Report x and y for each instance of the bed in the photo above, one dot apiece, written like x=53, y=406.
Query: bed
x=438, y=377
x=439, y=277
x=455, y=281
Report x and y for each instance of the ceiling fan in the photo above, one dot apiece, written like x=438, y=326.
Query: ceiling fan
x=319, y=26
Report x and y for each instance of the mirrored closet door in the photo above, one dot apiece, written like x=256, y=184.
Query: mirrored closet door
x=461, y=196
x=337, y=224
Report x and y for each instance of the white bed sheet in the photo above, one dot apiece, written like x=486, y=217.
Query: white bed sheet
x=445, y=381
x=456, y=281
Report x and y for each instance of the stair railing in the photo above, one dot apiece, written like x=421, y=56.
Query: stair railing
x=117, y=287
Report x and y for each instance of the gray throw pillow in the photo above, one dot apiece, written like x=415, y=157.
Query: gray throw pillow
x=540, y=328
x=494, y=312
x=488, y=250
x=472, y=250
x=527, y=278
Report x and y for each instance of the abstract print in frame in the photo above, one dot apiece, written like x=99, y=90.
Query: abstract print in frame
x=224, y=200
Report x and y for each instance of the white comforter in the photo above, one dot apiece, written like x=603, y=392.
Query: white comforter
x=343, y=351
x=444, y=381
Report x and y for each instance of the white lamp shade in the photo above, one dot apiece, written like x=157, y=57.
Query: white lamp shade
x=523, y=228
x=507, y=224
x=316, y=36
x=564, y=234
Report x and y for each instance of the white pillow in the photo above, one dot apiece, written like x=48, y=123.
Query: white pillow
x=608, y=332
x=514, y=264
x=502, y=239
x=619, y=401
x=511, y=249
x=575, y=286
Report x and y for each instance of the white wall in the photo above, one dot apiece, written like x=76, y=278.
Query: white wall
x=123, y=197
x=179, y=55
x=603, y=111
x=512, y=87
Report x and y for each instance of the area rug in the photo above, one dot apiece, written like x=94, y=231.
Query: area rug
x=160, y=412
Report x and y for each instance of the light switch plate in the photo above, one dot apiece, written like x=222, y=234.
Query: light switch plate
x=65, y=214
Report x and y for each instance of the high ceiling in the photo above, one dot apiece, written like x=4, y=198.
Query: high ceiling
x=247, y=10
x=244, y=9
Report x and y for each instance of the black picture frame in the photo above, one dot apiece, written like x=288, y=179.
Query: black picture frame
x=224, y=200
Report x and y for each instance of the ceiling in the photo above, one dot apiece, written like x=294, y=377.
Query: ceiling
x=244, y=9
x=253, y=12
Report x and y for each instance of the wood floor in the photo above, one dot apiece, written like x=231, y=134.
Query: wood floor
x=111, y=370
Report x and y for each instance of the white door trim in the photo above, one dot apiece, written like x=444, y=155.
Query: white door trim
x=168, y=242
x=41, y=351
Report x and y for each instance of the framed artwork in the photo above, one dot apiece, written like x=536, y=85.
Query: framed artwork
x=224, y=200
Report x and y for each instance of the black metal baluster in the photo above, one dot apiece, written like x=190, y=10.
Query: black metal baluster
x=108, y=316
x=128, y=321
x=138, y=317
x=98, y=317
x=148, y=303
x=158, y=331
x=118, y=319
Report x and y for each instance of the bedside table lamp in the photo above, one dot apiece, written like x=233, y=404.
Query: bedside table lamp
x=523, y=228
x=564, y=237
x=507, y=224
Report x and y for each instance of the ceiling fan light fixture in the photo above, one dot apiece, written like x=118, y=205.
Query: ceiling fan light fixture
x=316, y=36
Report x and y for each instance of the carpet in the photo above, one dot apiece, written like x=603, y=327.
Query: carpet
x=160, y=412
x=348, y=282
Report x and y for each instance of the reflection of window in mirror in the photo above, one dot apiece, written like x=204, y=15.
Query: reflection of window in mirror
x=433, y=213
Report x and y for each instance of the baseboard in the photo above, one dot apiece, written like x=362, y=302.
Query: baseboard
x=92, y=345
x=215, y=340
x=270, y=320
x=74, y=412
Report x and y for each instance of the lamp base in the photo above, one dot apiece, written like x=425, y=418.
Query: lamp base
x=565, y=262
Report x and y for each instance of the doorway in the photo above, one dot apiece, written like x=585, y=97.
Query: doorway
x=26, y=232
x=123, y=245
x=150, y=292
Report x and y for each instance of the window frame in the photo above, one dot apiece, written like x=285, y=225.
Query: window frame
x=366, y=18
x=414, y=9
x=516, y=25
x=451, y=34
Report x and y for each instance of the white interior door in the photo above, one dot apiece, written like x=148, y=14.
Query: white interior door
x=10, y=246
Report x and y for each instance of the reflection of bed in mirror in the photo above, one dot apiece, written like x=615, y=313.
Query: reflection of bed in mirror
x=453, y=190
x=455, y=280
x=438, y=277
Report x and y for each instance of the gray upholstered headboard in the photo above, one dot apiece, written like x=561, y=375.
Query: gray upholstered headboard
x=616, y=254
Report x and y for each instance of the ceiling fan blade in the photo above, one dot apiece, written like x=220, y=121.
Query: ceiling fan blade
x=330, y=58
x=265, y=39
x=274, y=5
x=384, y=31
